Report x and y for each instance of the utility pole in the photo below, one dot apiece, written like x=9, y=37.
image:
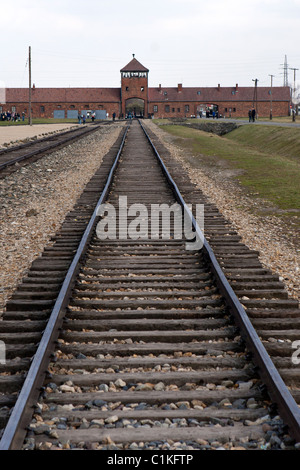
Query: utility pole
x=255, y=96
x=29, y=114
x=294, y=93
x=271, y=99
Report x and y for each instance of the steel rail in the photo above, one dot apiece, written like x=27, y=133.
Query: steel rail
x=277, y=389
x=15, y=430
x=51, y=146
x=32, y=142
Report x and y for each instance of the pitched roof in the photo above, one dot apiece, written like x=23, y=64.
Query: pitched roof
x=159, y=94
x=64, y=95
x=134, y=66
x=218, y=94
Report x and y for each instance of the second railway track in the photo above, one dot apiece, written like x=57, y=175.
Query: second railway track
x=18, y=155
x=150, y=353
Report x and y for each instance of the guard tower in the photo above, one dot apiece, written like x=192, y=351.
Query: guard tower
x=134, y=89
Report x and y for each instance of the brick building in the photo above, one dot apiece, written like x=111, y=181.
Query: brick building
x=137, y=97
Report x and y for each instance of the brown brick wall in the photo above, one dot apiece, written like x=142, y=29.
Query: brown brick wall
x=233, y=109
x=176, y=109
x=241, y=109
x=49, y=108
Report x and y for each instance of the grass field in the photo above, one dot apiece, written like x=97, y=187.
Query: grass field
x=268, y=160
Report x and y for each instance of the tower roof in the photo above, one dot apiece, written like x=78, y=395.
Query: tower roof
x=134, y=66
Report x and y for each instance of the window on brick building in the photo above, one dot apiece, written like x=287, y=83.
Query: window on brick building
x=13, y=109
x=173, y=110
x=187, y=108
x=234, y=110
x=127, y=88
x=167, y=108
x=142, y=88
x=72, y=106
x=178, y=109
x=42, y=109
x=155, y=109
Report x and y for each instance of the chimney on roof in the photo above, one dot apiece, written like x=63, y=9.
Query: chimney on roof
x=219, y=87
x=33, y=86
x=159, y=88
x=179, y=87
x=237, y=87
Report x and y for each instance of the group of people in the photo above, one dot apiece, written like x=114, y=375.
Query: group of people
x=208, y=113
x=82, y=117
x=14, y=117
x=252, y=115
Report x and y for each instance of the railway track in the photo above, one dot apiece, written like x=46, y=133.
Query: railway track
x=12, y=158
x=145, y=345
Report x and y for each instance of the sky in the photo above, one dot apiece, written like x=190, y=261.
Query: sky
x=193, y=42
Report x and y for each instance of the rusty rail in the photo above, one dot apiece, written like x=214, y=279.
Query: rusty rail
x=68, y=136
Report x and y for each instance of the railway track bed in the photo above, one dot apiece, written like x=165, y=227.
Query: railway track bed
x=11, y=159
x=148, y=352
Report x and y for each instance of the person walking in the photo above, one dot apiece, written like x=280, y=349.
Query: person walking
x=253, y=114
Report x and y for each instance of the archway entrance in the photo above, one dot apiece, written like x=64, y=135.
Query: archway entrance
x=135, y=107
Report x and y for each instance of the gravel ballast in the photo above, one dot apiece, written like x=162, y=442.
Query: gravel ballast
x=275, y=240
x=15, y=135
x=36, y=198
